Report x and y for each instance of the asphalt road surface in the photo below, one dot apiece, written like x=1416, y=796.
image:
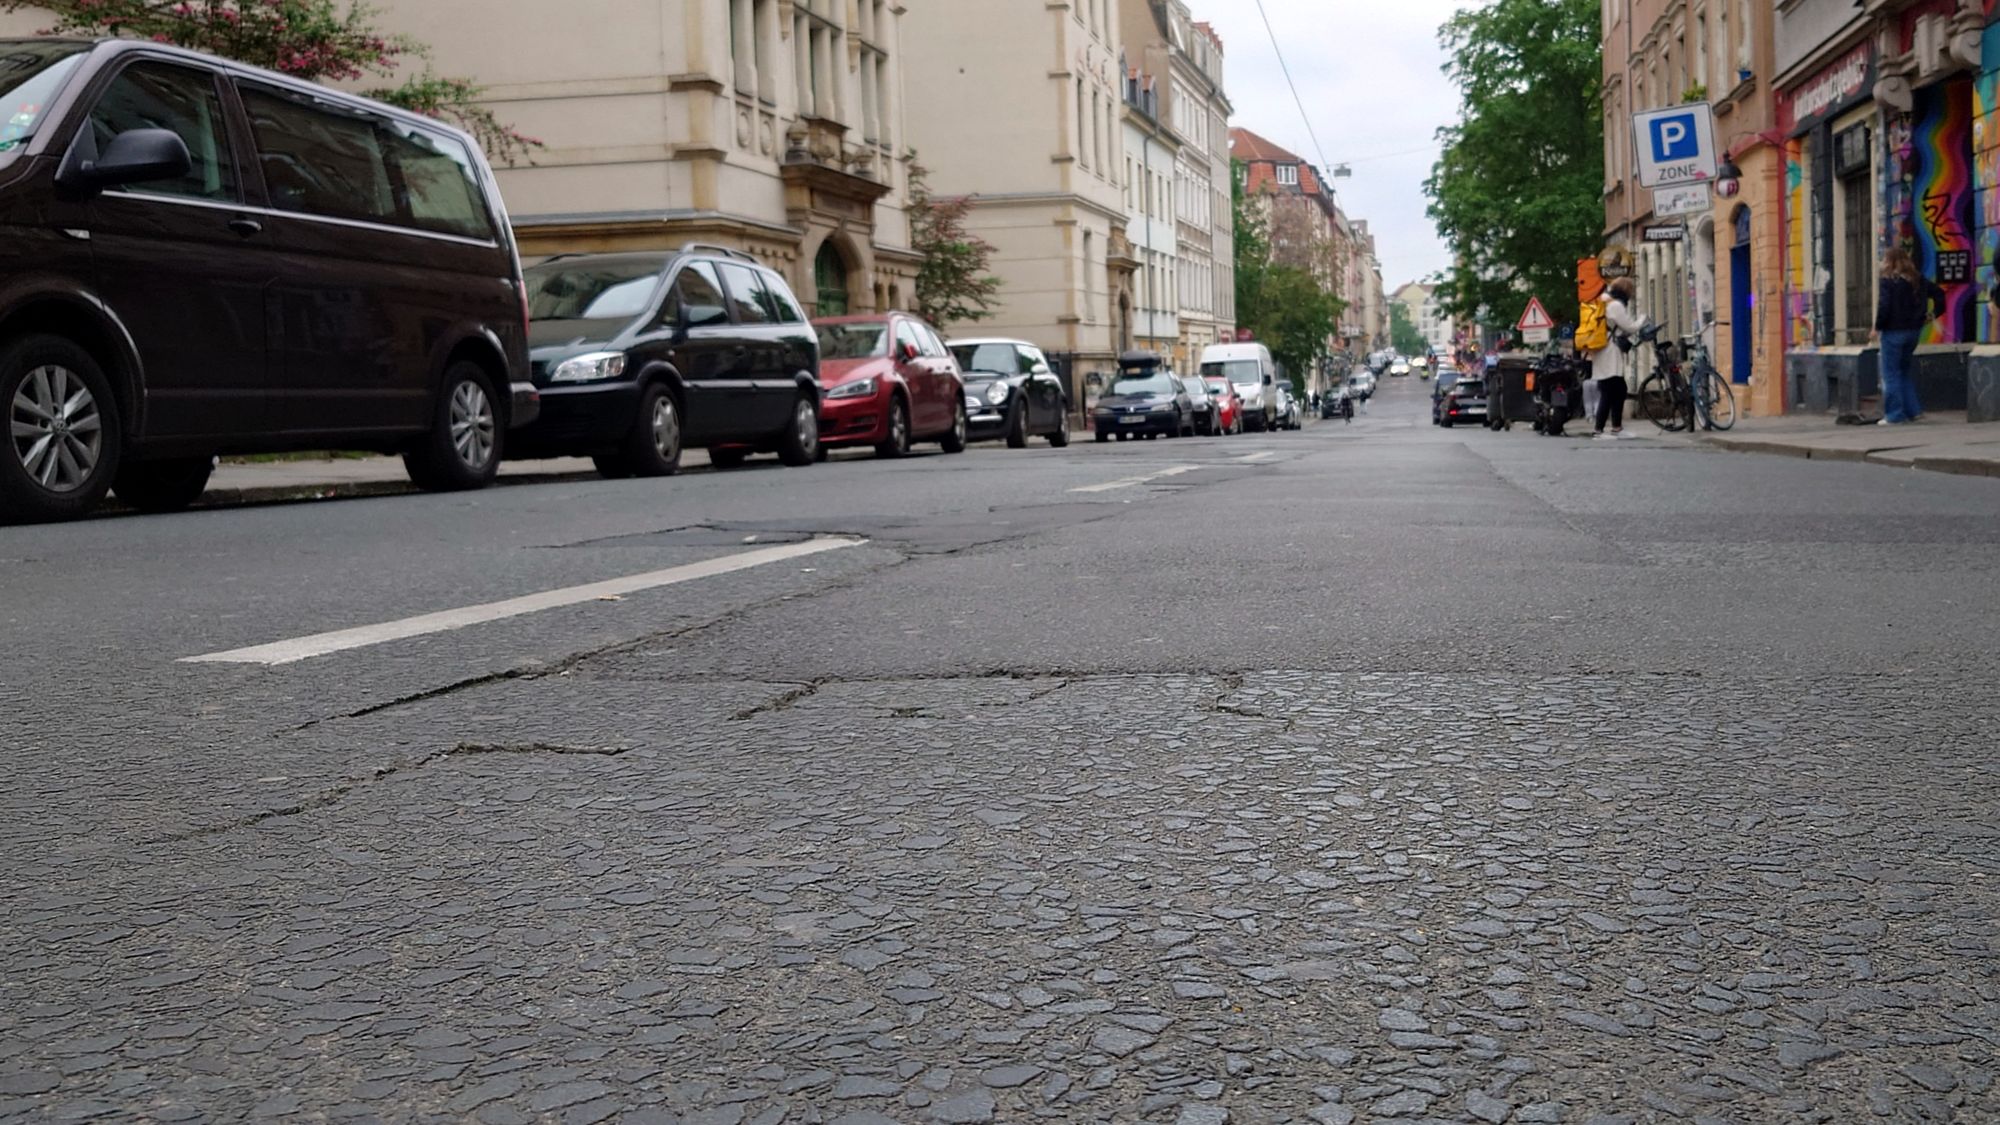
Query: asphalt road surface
x=1373, y=772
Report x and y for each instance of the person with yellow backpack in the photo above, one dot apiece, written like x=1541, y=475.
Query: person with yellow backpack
x=1606, y=391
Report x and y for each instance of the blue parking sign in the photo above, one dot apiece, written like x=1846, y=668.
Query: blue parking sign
x=1675, y=146
x=1674, y=138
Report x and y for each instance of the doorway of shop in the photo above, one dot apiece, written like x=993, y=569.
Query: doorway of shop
x=1742, y=324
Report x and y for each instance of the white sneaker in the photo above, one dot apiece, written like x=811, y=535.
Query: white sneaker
x=1600, y=436
x=1626, y=434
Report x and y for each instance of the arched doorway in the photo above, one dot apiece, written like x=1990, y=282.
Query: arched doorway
x=830, y=281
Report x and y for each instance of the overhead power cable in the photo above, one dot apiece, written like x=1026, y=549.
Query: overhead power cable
x=1299, y=101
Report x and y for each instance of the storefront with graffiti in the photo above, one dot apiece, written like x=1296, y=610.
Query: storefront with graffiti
x=1890, y=144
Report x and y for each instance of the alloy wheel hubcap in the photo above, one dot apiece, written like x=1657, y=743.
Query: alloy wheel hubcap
x=899, y=428
x=807, y=420
x=58, y=429
x=666, y=429
x=472, y=425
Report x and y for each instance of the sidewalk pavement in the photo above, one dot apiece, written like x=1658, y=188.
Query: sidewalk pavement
x=237, y=482
x=1942, y=442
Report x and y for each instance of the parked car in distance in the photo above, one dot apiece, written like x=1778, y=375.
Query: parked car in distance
x=1250, y=368
x=1228, y=404
x=198, y=257
x=887, y=380
x=1399, y=368
x=1288, y=408
x=1012, y=392
x=1362, y=385
x=1202, y=421
x=1464, y=402
x=638, y=355
x=1143, y=400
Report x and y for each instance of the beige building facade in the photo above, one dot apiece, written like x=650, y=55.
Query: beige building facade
x=1184, y=57
x=772, y=126
x=1019, y=103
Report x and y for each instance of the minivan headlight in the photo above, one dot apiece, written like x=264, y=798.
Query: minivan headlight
x=592, y=368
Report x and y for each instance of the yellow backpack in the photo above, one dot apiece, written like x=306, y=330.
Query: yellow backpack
x=1593, y=332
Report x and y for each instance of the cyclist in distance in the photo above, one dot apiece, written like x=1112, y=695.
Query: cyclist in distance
x=1609, y=365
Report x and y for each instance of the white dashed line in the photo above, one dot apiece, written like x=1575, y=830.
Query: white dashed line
x=1264, y=456
x=321, y=644
x=1129, y=482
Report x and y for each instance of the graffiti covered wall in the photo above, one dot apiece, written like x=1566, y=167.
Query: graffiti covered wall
x=1930, y=200
x=1798, y=258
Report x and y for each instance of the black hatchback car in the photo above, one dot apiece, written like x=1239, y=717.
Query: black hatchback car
x=637, y=355
x=199, y=257
x=1145, y=399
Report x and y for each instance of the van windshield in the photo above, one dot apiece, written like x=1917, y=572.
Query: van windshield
x=32, y=73
x=1236, y=370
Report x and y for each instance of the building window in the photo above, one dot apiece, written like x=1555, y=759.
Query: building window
x=819, y=49
x=1079, y=147
x=830, y=280
x=1288, y=174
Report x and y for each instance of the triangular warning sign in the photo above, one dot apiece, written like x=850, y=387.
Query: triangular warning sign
x=1535, y=317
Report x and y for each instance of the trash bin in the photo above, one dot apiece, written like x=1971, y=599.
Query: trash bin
x=1510, y=394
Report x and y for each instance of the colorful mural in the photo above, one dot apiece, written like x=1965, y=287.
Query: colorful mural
x=1798, y=276
x=1986, y=167
x=1930, y=201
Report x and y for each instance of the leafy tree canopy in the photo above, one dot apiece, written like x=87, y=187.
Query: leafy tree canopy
x=1517, y=191
x=954, y=285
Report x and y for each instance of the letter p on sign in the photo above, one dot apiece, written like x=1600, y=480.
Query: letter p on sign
x=1674, y=138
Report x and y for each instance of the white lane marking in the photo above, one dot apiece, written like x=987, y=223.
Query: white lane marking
x=1264, y=456
x=1129, y=482
x=321, y=644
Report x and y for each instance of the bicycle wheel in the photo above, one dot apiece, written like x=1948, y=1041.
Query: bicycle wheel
x=1659, y=404
x=1721, y=401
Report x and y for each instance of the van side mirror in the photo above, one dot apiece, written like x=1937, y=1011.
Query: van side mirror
x=136, y=156
x=1268, y=381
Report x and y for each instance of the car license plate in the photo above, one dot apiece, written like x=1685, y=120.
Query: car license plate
x=1132, y=420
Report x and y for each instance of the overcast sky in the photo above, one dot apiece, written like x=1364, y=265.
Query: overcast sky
x=1368, y=71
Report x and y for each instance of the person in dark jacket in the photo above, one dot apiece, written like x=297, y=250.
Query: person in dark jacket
x=1907, y=302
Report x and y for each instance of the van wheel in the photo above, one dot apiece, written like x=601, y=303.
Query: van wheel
x=64, y=442
x=462, y=451
x=799, y=444
x=954, y=438
x=653, y=448
x=163, y=486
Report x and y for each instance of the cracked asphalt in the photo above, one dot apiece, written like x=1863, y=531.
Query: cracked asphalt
x=1401, y=775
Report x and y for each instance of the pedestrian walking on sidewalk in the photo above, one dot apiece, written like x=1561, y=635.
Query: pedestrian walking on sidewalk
x=1609, y=365
x=1904, y=305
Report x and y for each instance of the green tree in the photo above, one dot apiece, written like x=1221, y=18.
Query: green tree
x=1284, y=306
x=1517, y=191
x=1403, y=334
x=316, y=40
x=953, y=283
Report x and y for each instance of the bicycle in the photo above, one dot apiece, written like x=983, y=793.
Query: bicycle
x=1686, y=391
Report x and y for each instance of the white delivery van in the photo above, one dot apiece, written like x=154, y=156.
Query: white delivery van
x=1250, y=369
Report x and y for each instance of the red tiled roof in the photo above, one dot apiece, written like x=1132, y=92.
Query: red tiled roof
x=1246, y=145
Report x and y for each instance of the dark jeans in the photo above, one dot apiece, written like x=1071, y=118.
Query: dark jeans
x=1611, y=395
x=1899, y=388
